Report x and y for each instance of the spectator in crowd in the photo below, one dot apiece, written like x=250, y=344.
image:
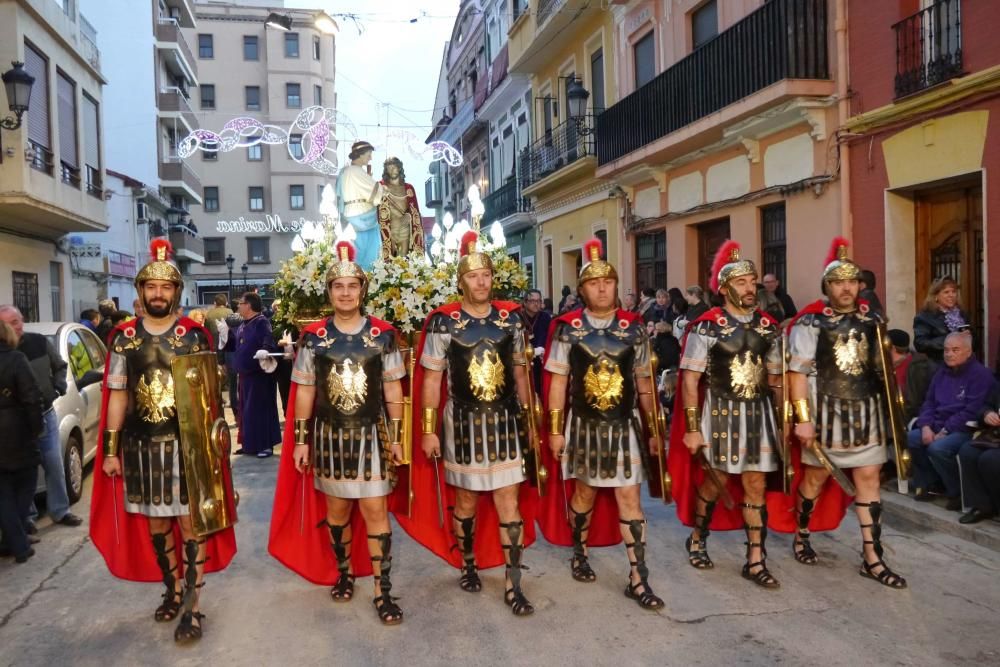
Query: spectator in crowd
x=218, y=312
x=867, y=292
x=538, y=322
x=137, y=308
x=566, y=292
x=21, y=424
x=231, y=324
x=647, y=298
x=942, y=314
x=913, y=373
x=695, y=298
x=768, y=303
x=90, y=318
x=548, y=305
x=569, y=303
x=258, y=394
x=955, y=398
x=979, y=460
x=628, y=301
x=49, y=373
x=665, y=345
x=286, y=336
x=198, y=315
x=774, y=286
x=107, y=308
x=121, y=316
x=659, y=311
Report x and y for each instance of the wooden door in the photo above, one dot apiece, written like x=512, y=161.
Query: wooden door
x=711, y=235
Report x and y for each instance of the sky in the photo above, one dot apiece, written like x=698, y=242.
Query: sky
x=387, y=70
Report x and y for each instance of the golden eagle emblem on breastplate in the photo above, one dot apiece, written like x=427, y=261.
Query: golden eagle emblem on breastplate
x=486, y=376
x=850, y=352
x=347, y=388
x=747, y=372
x=155, y=399
x=603, y=387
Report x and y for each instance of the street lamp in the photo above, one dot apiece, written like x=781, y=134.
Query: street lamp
x=230, y=260
x=18, y=84
x=576, y=100
x=278, y=21
x=325, y=23
x=244, y=269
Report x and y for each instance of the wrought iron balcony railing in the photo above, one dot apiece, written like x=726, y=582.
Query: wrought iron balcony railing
x=928, y=47
x=503, y=202
x=563, y=145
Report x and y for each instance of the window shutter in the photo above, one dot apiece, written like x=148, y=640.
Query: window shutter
x=36, y=65
x=91, y=134
x=67, y=121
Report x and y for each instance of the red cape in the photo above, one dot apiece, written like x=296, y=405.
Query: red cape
x=130, y=555
x=299, y=537
x=687, y=475
x=604, y=528
x=423, y=524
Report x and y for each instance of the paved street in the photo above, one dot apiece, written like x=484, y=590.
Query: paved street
x=64, y=608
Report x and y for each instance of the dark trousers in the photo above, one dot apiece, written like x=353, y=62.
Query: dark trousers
x=980, y=477
x=17, y=489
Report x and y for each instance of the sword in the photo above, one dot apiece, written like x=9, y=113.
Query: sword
x=302, y=517
x=832, y=468
x=713, y=476
x=114, y=501
x=437, y=489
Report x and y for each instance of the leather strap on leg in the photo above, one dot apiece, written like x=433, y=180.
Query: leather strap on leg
x=385, y=559
x=465, y=543
x=636, y=528
x=163, y=560
x=191, y=563
x=875, y=511
x=702, y=521
x=514, y=551
x=581, y=524
x=340, y=545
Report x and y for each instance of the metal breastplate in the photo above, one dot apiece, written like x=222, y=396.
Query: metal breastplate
x=480, y=358
x=845, y=356
x=348, y=374
x=736, y=362
x=152, y=410
x=602, y=365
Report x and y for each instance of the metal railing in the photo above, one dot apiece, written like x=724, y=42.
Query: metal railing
x=94, y=185
x=545, y=9
x=503, y=202
x=69, y=174
x=563, y=145
x=928, y=47
x=784, y=39
x=40, y=158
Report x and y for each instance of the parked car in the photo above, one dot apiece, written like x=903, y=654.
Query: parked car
x=79, y=411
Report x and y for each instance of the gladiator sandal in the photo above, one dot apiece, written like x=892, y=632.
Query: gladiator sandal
x=801, y=548
x=640, y=591
x=698, y=549
x=171, y=605
x=763, y=576
x=385, y=605
x=469, y=581
x=513, y=596
x=187, y=630
x=878, y=570
x=579, y=565
x=343, y=589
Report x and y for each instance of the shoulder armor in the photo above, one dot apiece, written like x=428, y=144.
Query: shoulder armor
x=439, y=323
x=707, y=328
x=808, y=320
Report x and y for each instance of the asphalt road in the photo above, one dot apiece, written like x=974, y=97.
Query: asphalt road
x=63, y=607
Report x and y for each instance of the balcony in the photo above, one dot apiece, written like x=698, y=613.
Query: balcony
x=503, y=203
x=459, y=124
x=188, y=246
x=928, y=47
x=784, y=43
x=432, y=192
x=176, y=175
x=537, y=36
x=174, y=50
x=543, y=163
x=182, y=11
x=173, y=103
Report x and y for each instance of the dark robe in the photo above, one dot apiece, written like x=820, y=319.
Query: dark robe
x=258, y=391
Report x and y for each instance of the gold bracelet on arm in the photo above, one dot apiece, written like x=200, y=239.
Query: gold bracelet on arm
x=430, y=421
x=801, y=409
x=111, y=440
x=301, y=431
x=692, y=420
x=557, y=421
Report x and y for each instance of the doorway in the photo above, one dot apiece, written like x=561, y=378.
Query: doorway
x=711, y=235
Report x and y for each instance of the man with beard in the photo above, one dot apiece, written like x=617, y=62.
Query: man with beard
x=538, y=322
x=731, y=358
x=347, y=409
x=400, y=225
x=598, y=372
x=836, y=393
x=138, y=532
x=480, y=343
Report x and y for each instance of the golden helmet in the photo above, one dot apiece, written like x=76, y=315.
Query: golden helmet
x=594, y=264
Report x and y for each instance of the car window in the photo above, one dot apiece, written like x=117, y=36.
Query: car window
x=94, y=347
x=79, y=358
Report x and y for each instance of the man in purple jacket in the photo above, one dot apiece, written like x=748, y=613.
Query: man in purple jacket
x=954, y=400
x=258, y=387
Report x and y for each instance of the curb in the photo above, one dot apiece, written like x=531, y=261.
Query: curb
x=923, y=516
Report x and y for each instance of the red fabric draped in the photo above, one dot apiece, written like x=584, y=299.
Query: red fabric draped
x=423, y=525
x=129, y=551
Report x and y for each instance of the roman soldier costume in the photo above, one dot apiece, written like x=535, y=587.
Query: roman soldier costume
x=484, y=440
x=174, y=449
x=838, y=352
x=602, y=354
x=350, y=435
x=734, y=349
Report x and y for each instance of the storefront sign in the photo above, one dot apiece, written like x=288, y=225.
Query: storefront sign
x=271, y=224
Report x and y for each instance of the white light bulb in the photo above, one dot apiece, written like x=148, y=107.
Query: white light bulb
x=448, y=220
x=436, y=231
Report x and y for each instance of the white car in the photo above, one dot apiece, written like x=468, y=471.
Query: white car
x=79, y=411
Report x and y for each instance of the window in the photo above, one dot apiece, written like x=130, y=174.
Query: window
x=651, y=260
x=645, y=59
x=254, y=153
x=26, y=294
x=252, y=95
x=79, y=360
x=211, y=198
x=37, y=66
x=704, y=23
x=256, y=198
x=178, y=201
x=207, y=94
x=293, y=95
x=315, y=48
x=250, y=48
x=215, y=251
x=296, y=197
x=318, y=95
x=66, y=108
x=295, y=145
x=597, y=80
x=92, y=145
x=210, y=156
x=55, y=289
x=206, y=46
x=319, y=193
x=772, y=228
x=258, y=251
x=291, y=45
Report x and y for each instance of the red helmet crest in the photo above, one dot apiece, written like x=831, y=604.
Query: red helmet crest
x=470, y=240
x=838, y=250
x=345, y=251
x=160, y=250
x=728, y=252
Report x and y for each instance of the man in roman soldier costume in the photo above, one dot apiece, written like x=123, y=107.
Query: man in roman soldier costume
x=597, y=371
x=163, y=523
x=724, y=438
x=480, y=344
x=835, y=389
x=342, y=441
x=398, y=213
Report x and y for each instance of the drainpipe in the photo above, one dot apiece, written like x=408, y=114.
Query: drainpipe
x=843, y=113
